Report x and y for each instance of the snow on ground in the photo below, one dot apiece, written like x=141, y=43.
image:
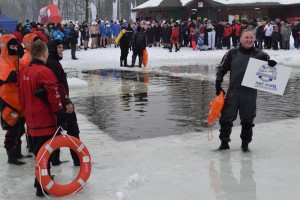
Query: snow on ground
x=175, y=167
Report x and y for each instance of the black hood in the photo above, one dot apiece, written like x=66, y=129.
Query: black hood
x=52, y=48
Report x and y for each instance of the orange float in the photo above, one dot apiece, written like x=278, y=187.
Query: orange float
x=41, y=165
x=216, y=106
x=145, y=57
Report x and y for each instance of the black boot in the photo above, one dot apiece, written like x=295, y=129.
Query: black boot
x=121, y=63
x=39, y=191
x=245, y=147
x=19, y=154
x=132, y=62
x=75, y=158
x=224, y=146
x=12, y=159
x=125, y=63
x=55, y=158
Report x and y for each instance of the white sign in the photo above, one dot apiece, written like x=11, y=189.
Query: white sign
x=269, y=79
x=200, y=4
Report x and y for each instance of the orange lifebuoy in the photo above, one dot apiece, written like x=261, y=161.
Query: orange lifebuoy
x=41, y=165
x=216, y=106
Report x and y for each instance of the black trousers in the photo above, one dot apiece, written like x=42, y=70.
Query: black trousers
x=243, y=102
x=73, y=50
x=124, y=53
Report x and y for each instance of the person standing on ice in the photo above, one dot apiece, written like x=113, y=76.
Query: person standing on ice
x=174, y=38
x=41, y=101
x=239, y=99
x=55, y=48
x=10, y=107
x=138, y=45
x=124, y=46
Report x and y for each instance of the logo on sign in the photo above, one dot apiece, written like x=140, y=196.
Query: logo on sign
x=266, y=74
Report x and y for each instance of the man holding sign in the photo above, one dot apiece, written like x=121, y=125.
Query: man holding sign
x=239, y=98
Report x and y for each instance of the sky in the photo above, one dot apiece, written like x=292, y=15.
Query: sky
x=172, y=167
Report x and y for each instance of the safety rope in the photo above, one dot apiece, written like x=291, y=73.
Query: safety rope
x=209, y=134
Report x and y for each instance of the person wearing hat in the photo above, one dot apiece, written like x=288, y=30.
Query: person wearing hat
x=10, y=106
x=53, y=62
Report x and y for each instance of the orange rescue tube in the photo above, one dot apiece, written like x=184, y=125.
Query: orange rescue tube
x=216, y=106
x=41, y=168
x=145, y=57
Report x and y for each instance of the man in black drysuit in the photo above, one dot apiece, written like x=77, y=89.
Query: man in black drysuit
x=239, y=98
x=138, y=45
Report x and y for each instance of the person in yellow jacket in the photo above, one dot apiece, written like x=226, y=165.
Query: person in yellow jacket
x=10, y=107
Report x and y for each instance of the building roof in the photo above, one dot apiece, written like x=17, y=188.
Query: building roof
x=261, y=2
x=152, y=4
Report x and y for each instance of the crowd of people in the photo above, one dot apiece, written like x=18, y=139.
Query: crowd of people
x=201, y=35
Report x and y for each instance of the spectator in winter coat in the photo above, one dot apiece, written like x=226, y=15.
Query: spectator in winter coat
x=286, y=37
x=174, y=38
x=157, y=34
x=18, y=33
x=276, y=38
x=138, y=46
x=149, y=35
x=296, y=34
x=237, y=33
x=227, y=35
x=219, y=28
x=268, y=35
x=259, y=34
x=73, y=36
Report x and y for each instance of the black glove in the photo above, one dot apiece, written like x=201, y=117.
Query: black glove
x=272, y=63
x=42, y=94
x=61, y=116
x=68, y=101
x=218, y=88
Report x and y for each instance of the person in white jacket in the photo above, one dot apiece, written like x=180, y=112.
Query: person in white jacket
x=268, y=35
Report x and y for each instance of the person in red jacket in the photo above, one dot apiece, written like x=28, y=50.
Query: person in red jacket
x=10, y=107
x=227, y=35
x=237, y=33
x=174, y=38
x=41, y=101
